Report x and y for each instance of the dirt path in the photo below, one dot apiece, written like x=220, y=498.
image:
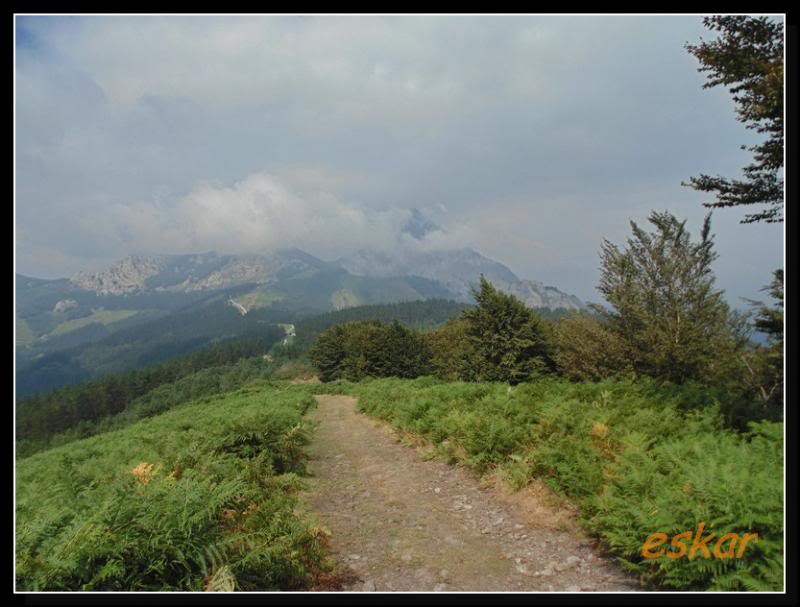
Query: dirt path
x=401, y=523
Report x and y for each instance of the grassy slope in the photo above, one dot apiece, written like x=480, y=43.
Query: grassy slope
x=24, y=335
x=201, y=495
x=103, y=317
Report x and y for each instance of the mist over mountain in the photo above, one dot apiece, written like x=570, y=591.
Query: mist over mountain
x=418, y=226
x=145, y=308
x=415, y=271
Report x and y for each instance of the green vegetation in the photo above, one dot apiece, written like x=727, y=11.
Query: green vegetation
x=370, y=348
x=81, y=410
x=667, y=315
x=509, y=339
x=117, y=400
x=103, y=317
x=498, y=339
x=664, y=432
x=453, y=353
x=24, y=334
x=205, y=382
x=748, y=58
x=636, y=456
x=764, y=364
x=585, y=349
x=141, y=344
x=422, y=315
x=260, y=298
x=201, y=497
x=655, y=415
x=667, y=322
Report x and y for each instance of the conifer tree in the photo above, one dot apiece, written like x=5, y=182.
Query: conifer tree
x=770, y=320
x=509, y=338
x=748, y=58
x=328, y=353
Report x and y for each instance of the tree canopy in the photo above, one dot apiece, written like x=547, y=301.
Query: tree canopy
x=370, y=348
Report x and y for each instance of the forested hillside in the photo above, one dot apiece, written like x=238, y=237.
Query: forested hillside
x=116, y=399
x=161, y=338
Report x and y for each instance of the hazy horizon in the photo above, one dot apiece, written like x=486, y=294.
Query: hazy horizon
x=526, y=138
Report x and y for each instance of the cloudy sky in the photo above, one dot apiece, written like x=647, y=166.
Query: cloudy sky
x=528, y=138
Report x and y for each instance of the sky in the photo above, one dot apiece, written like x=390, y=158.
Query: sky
x=527, y=138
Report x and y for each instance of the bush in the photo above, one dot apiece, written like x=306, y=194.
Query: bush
x=453, y=355
x=586, y=350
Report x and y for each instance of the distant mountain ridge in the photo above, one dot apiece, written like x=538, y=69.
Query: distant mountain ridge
x=195, y=272
x=458, y=270
x=144, y=308
x=415, y=274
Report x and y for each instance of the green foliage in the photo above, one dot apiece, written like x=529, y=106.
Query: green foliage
x=140, y=344
x=206, y=382
x=421, y=315
x=508, y=337
x=100, y=316
x=200, y=497
x=79, y=407
x=748, y=58
x=584, y=349
x=451, y=347
x=672, y=322
x=730, y=482
x=637, y=457
x=453, y=354
x=763, y=366
x=359, y=349
x=770, y=320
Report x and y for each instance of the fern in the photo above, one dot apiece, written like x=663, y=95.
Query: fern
x=187, y=500
x=637, y=457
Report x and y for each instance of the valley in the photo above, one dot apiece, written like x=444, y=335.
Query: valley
x=148, y=308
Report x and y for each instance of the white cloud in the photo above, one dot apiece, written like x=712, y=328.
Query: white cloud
x=256, y=214
x=177, y=134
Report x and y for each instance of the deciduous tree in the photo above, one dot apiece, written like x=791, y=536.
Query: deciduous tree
x=666, y=311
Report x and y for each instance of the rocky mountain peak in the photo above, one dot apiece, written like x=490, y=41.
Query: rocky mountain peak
x=454, y=273
x=126, y=276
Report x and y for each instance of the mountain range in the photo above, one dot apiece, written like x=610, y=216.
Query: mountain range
x=365, y=277
x=146, y=308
